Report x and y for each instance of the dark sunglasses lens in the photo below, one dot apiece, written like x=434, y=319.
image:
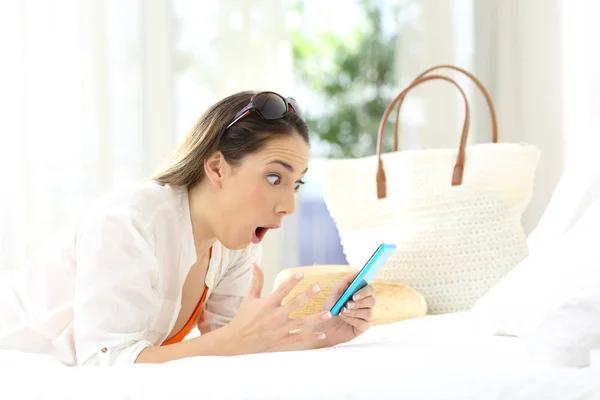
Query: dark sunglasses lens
x=296, y=107
x=270, y=105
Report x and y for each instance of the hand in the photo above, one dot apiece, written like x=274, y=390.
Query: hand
x=264, y=325
x=354, y=319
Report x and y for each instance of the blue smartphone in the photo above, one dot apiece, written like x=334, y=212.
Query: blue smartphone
x=381, y=255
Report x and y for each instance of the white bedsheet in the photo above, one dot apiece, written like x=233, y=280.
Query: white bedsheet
x=436, y=357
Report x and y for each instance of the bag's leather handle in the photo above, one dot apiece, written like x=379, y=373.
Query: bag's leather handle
x=476, y=81
x=460, y=161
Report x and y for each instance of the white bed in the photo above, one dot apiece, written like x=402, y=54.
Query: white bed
x=436, y=357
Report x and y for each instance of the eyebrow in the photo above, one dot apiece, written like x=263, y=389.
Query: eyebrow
x=286, y=166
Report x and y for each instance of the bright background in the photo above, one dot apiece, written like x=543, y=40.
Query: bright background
x=95, y=94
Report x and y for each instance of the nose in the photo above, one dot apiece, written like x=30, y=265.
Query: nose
x=287, y=204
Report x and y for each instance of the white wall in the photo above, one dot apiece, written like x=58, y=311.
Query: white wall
x=519, y=58
x=540, y=60
x=581, y=82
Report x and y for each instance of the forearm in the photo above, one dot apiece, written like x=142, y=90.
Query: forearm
x=216, y=343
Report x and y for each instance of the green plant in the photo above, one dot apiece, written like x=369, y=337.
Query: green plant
x=352, y=75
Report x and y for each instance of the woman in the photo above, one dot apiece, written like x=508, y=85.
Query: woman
x=144, y=266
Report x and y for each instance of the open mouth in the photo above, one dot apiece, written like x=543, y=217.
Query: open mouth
x=259, y=234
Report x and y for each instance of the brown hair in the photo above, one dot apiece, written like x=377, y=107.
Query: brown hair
x=208, y=136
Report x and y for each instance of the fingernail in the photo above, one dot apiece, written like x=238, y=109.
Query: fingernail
x=344, y=310
x=356, y=297
x=326, y=316
x=299, y=276
x=351, y=304
x=321, y=336
x=316, y=289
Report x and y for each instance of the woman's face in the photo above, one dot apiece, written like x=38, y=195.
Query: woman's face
x=259, y=192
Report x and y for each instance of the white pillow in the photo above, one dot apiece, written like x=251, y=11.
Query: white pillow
x=577, y=189
x=552, y=298
x=568, y=334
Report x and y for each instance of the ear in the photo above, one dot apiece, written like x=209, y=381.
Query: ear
x=216, y=169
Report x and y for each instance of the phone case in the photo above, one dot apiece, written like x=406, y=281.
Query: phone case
x=366, y=274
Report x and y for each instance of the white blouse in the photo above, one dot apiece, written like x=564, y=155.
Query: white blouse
x=113, y=286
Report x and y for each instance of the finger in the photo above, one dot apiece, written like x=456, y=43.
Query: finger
x=350, y=277
x=344, y=283
x=366, y=314
x=258, y=280
x=304, y=340
x=300, y=300
x=367, y=302
x=359, y=325
x=284, y=289
x=307, y=321
x=364, y=292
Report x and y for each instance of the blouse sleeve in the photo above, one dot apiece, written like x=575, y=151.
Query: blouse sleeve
x=115, y=301
x=223, y=303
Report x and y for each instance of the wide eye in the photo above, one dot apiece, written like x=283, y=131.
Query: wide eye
x=274, y=179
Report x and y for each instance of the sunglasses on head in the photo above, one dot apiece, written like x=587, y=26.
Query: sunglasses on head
x=269, y=105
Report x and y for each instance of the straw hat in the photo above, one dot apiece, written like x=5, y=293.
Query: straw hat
x=395, y=302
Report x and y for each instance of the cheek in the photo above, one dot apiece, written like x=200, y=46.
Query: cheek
x=248, y=194
x=258, y=195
